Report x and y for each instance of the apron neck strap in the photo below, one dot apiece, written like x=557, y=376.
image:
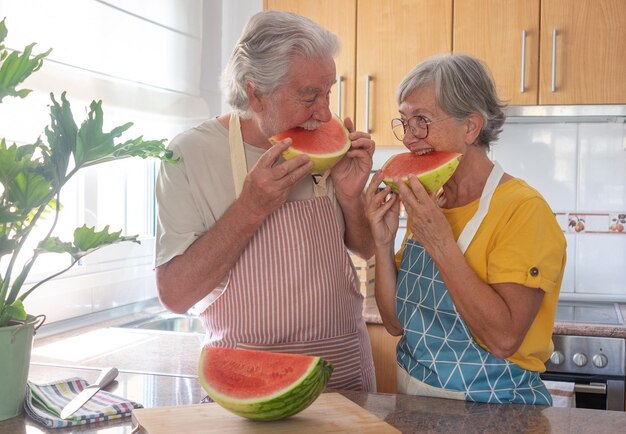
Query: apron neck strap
x=239, y=164
x=472, y=226
x=237, y=153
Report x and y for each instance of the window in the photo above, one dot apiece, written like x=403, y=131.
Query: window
x=142, y=60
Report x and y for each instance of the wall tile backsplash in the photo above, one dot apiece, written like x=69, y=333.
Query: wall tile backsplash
x=580, y=168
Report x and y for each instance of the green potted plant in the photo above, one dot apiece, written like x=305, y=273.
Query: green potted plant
x=31, y=178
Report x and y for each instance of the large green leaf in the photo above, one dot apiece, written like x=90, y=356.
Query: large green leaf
x=15, y=159
x=29, y=190
x=13, y=311
x=86, y=240
x=93, y=146
x=3, y=33
x=61, y=134
x=7, y=245
x=16, y=67
x=92, y=143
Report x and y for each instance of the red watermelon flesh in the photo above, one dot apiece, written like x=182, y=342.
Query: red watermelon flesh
x=433, y=170
x=262, y=385
x=325, y=145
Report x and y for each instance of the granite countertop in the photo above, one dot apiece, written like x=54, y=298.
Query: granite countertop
x=371, y=315
x=409, y=414
x=159, y=369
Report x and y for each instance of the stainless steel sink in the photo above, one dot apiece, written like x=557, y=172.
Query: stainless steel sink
x=169, y=322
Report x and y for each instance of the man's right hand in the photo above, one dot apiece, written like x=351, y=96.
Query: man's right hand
x=269, y=182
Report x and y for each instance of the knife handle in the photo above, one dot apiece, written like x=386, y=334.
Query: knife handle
x=106, y=377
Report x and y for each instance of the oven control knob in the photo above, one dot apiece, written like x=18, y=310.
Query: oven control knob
x=557, y=358
x=599, y=360
x=580, y=359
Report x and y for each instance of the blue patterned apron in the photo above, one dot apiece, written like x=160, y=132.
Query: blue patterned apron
x=437, y=347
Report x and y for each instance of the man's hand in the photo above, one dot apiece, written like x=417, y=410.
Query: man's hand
x=351, y=173
x=268, y=183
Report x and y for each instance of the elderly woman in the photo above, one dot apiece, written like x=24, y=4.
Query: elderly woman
x=474, y=289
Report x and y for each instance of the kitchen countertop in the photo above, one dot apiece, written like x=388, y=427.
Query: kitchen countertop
x=175, y=353
x=409, y=414
x=158, y=368
x=371, y=315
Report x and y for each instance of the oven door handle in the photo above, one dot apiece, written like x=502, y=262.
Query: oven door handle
x=595, y=388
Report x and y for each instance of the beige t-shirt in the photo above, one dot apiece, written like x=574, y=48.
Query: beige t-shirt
x=195, y=192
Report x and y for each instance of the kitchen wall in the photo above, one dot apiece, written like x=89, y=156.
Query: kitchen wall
x=580, y=168
x=156, y=63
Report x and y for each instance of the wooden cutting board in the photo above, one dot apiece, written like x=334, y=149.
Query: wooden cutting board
x=330, y=413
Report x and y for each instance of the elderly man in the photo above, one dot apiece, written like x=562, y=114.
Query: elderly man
x=256, y=243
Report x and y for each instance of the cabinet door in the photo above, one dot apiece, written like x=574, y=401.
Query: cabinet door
x=392, y=37
x=340, y=18
x=384, y=355
x=590, y=45
x=505, y=35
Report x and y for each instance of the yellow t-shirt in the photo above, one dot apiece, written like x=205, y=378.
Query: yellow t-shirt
x=519, y=241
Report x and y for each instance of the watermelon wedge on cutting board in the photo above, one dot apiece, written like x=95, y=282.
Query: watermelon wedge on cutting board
x=330, y=413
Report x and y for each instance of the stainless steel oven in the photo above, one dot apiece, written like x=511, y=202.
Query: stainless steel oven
x=596, y=365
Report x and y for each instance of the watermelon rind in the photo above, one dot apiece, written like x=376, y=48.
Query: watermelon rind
x=431, y=180
x=321, y=162
x=283, y=403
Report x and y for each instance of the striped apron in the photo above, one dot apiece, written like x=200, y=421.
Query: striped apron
x=294, y=290
x=437, y=355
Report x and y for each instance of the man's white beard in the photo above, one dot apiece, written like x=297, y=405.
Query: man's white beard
x=270, y=125
x=311, y=124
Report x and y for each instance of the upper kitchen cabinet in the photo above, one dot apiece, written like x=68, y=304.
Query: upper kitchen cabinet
x=340, y=18
x=505, y=35
x=381, y=42
x=548, y=51
x=583, y=43
x=392, y=37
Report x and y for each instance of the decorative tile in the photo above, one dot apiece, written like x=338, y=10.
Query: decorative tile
x=598, y=223
x=617, y=222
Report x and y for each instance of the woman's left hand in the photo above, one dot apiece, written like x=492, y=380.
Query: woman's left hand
x=351, y=173
x=428, y=225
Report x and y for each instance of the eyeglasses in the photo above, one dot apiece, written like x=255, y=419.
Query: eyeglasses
x=418, y=125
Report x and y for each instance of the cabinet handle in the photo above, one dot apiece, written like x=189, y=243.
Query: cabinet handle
x=594, y=388
x=339, y=80
x=523, y=80
x=554, y=60
x=368, y=79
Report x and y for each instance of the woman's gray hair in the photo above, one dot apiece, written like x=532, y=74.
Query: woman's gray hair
x=463, y=85
x=265, y=51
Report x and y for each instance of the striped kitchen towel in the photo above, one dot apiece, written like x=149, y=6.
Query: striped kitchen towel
x=44, y=403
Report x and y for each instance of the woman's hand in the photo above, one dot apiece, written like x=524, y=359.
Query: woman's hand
x=350, y=174
x=382, y=211
x=428, y=225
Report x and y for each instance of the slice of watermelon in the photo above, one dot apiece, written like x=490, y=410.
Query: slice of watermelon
x=324, y=145
x=433, y=170
x=262, y=385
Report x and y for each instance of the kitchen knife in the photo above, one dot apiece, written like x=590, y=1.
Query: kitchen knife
x=106, y=376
